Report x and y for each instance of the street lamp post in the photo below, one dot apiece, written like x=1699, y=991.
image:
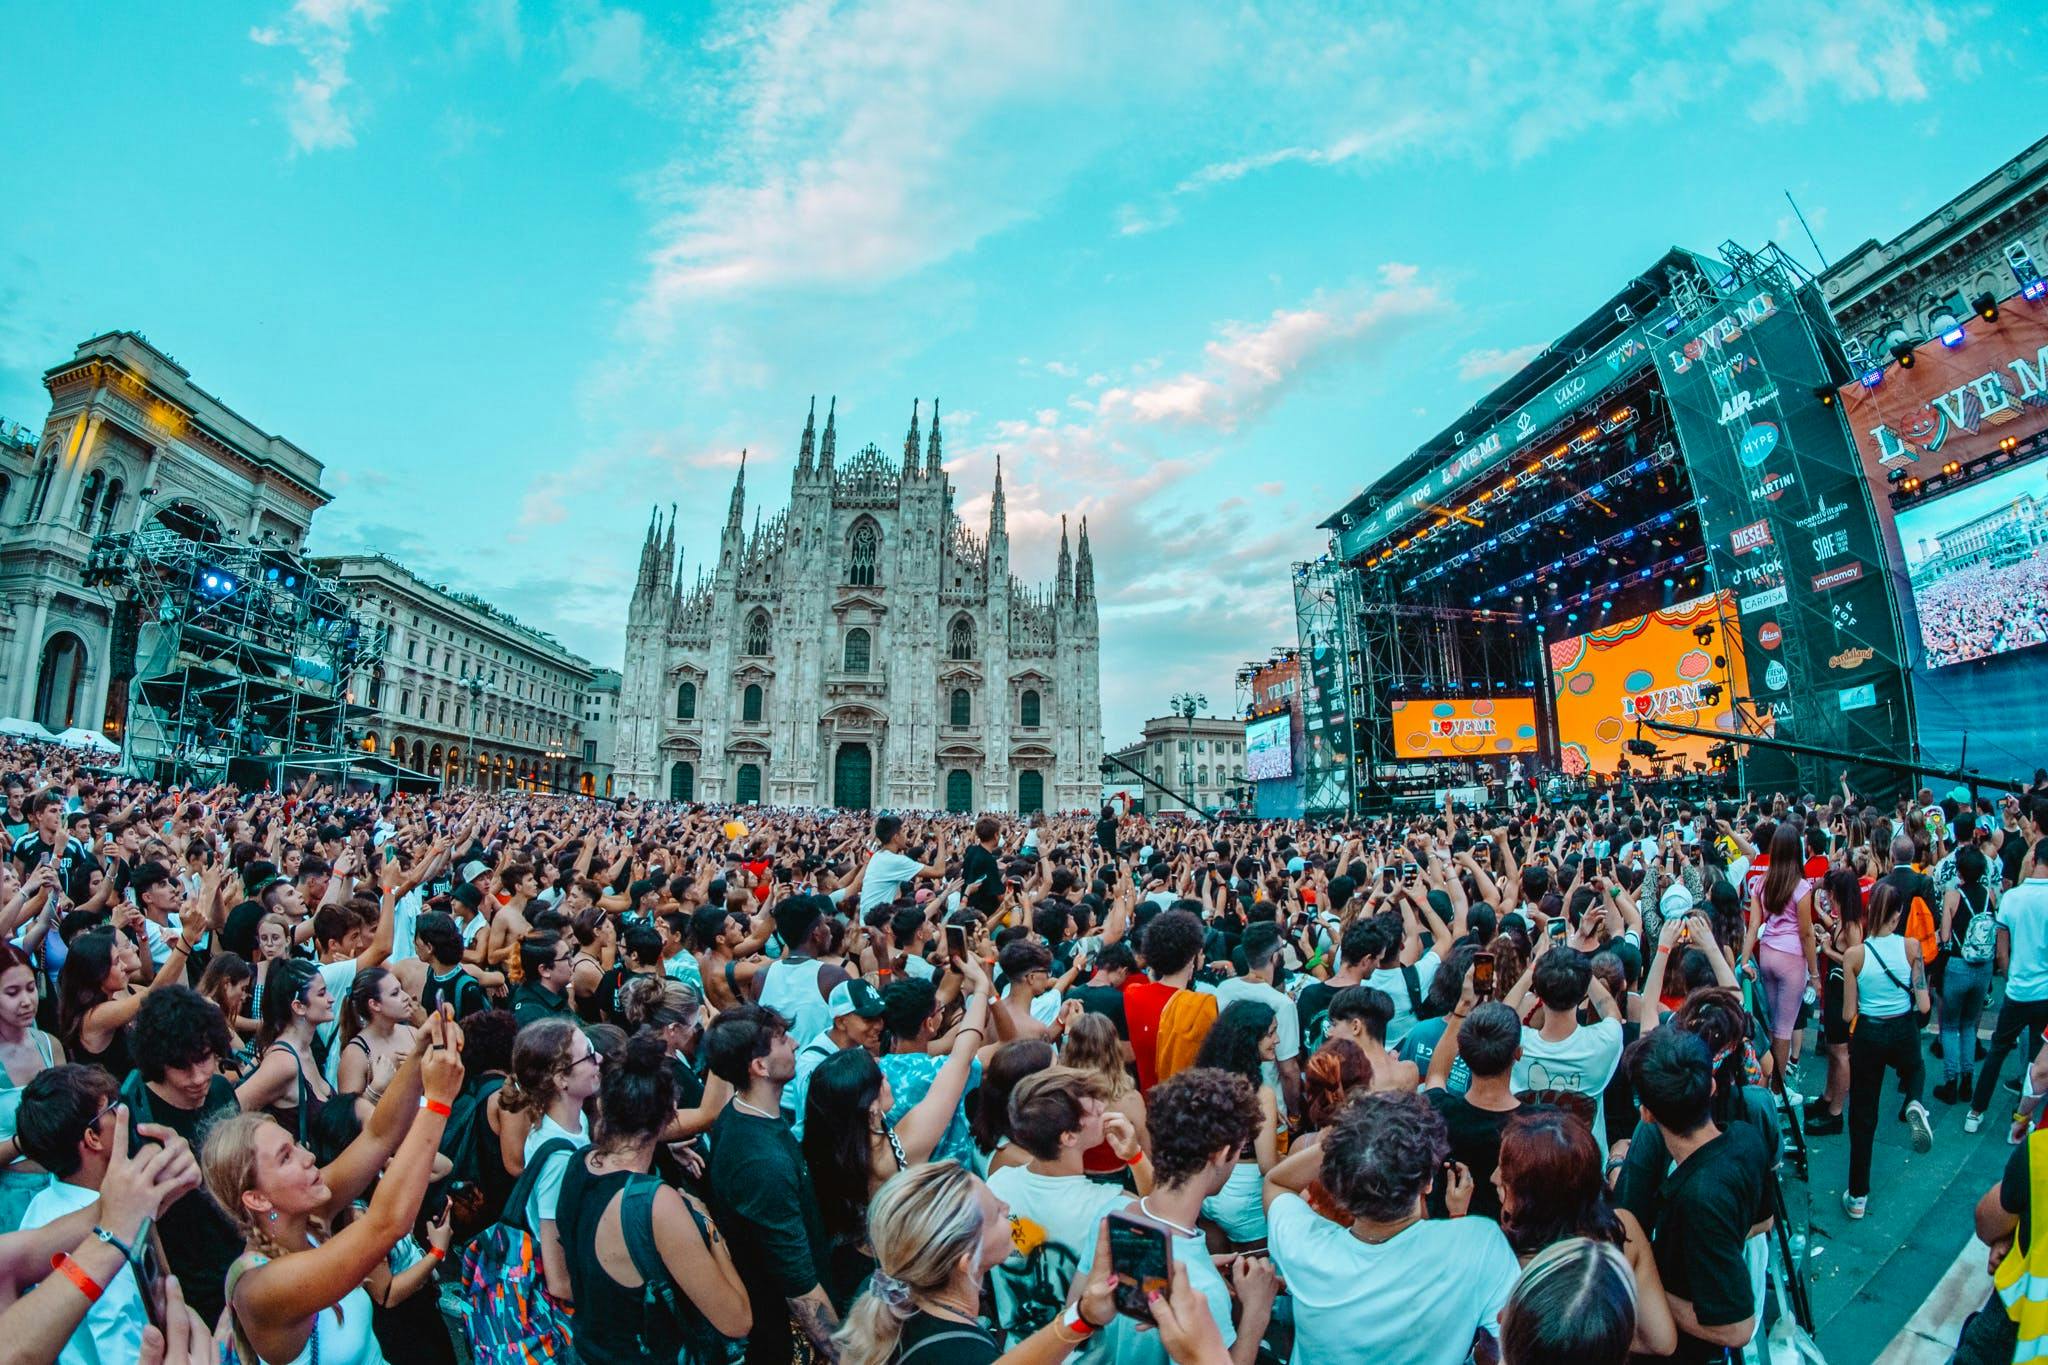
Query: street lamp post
x=473, y=685
x=556, y=754
x=1188, y=705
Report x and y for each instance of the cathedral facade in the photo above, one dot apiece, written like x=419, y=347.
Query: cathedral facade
x=863, y=649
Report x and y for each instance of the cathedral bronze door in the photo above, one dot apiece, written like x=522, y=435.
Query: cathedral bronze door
x=853, y=777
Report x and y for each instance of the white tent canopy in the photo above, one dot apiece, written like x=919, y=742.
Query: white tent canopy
x=78, y=738
x=23, y=729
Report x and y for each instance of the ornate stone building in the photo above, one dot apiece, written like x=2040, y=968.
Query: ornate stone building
x=862, y=648
x=1990, y=239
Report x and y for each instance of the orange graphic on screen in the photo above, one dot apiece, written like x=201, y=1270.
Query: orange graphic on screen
x=1478, y=727
x=1652, y=667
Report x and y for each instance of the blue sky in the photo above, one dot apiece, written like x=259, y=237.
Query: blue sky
x=516, y=271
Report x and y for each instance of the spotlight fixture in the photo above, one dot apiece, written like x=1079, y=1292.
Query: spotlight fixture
x=1910, y=487
x=2009, y=443
x=1826, y=396
x=1710, y=692
x=1704, y=632
x=1899, y=475
x=1953, y=337
x=1985, y=306
x=2034, y=289
x=1873, y=377
x=1951, y=469
x=1903, y=354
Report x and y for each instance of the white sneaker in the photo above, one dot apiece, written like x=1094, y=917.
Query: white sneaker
x=1923, y=1131
x=1853, y=1206
x=1793, y=1097
x=1972, y=1121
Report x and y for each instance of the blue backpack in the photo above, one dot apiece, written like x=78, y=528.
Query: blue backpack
x=508, y=1317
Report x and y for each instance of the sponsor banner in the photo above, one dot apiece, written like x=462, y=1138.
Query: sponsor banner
x=1838, y=578
x=1852, y=658
x=1773, y=487
x=1754, y=536
x=1763, y=601
x=1758, y=442
x=1857, y=698
x=1957, y=403
x=1768, y=635
x=1277, y=685
x=1655, y=666
x=1479, y=727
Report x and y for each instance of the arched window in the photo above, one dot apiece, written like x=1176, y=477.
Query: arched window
x=863, y=551
x=858, y=645
x=1027, y=709
x=60, y=686
x=1030, y=792
x=5, y=484
x=757, y=634
x=89, y=499
x=682, y=783
x=686, y=701
x=750, y=705
x=39, y=491
x=110, y=506
x=959, y=791
x=960, y=643
x=959, y=710
x=746, y=787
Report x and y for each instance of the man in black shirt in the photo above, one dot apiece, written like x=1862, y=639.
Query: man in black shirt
x=2005, y=1221
x=548, y=961
x=179, y=1037
x=1488, y=1038
x=980, y=872
x=1104, y=993
x=1357, y=950
x=1701, y=1214
x=760, y=1188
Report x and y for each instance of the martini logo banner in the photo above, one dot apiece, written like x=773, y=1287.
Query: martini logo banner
x=1654, y=667
x=1481, y=727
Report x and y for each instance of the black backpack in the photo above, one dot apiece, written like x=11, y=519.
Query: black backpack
x=462, y=991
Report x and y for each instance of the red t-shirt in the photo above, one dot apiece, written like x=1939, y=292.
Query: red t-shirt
x=1144, y=1001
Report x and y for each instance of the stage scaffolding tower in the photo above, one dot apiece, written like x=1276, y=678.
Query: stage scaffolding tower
x=1325, y=620
x=237, y=659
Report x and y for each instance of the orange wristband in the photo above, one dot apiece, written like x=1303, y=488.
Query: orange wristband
x=435, y=1107
x=75, y=1273
x=1135, y=1157
x=437, y=1253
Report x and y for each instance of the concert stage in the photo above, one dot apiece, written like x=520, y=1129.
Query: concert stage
x=1662, y=516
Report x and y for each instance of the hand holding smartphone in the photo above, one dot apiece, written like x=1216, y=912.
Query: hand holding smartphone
x=1482, y=975
x=1141, y=1258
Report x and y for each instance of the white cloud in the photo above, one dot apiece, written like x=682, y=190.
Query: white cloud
x=607, y=45
x=1248, y=366
x=1060, y=368
x=1494, y=362
x=317, y=111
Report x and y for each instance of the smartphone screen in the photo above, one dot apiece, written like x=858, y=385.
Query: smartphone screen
x=1142, y=1260
x=956, y=942
x=1557, y=927
x=1482, y=975
x=1408, y=874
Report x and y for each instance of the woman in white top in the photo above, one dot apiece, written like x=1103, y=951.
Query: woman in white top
x=24, y=1051
x=1884, y=992
x=314, y=1307
x=555, y=1071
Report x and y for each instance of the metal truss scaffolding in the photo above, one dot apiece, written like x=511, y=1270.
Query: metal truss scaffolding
x=1325, y=619
x=238, y=658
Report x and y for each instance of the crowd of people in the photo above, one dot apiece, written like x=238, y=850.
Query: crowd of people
x=341, y=1077
x=1983, y=609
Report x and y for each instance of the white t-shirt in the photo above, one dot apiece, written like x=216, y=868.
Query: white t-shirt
x=111, y=1332
x=2024, y=913
x=1233, y=989
x=405, y=917
x=1417, y=1298
x=886, y=874
x=809, y=1058
x=1395, y=984
x=339, y=976
x=1582, y=1061
x=1067, y=1208
x=547, y=1186
x=1123, y=1343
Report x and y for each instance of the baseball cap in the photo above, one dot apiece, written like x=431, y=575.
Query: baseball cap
x=855, y=996
x=473, y=869
x=1676, y=901
x=1296, y=864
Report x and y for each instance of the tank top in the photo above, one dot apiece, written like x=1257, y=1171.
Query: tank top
x=342, y=1335
x=10, y=1093
x=1878, y=995
x=607, y=1312
x=791, y=990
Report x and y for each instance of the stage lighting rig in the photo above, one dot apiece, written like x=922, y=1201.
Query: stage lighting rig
x=1643, y=748
x=1710, y=693
x=1903, y=354
x=1704, y=632
x=1985, y=306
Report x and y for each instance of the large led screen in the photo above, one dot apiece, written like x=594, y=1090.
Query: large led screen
x=1978, y=559
x=1477, y=727
x=1653, y=667
x=1268, y=752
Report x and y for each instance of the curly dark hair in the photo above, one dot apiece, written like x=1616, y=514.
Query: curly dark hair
x=1233, y=1041
x=177, y=1027
x=1381, y=1153
x=1194, y=1115
x=1172, y=940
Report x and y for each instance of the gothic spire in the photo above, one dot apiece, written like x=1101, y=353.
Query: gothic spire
x=1065, y=590
x=998, y=520
x=809, y=446
x=826, y=451
x=910, y=445
x=931, y=450
x=648, y=547
x=1084, y=569
x=739, y=496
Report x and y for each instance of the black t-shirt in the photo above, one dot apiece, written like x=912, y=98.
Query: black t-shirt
x=1310, y=1006
x=760, y=1196
x=1106, y=1001
x=2015, y=1193
x=1703, y=1215
x=1475, y=1140
x=200, y=1243
x=2011, y=854
x=928, y=1340
x=980, y=864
